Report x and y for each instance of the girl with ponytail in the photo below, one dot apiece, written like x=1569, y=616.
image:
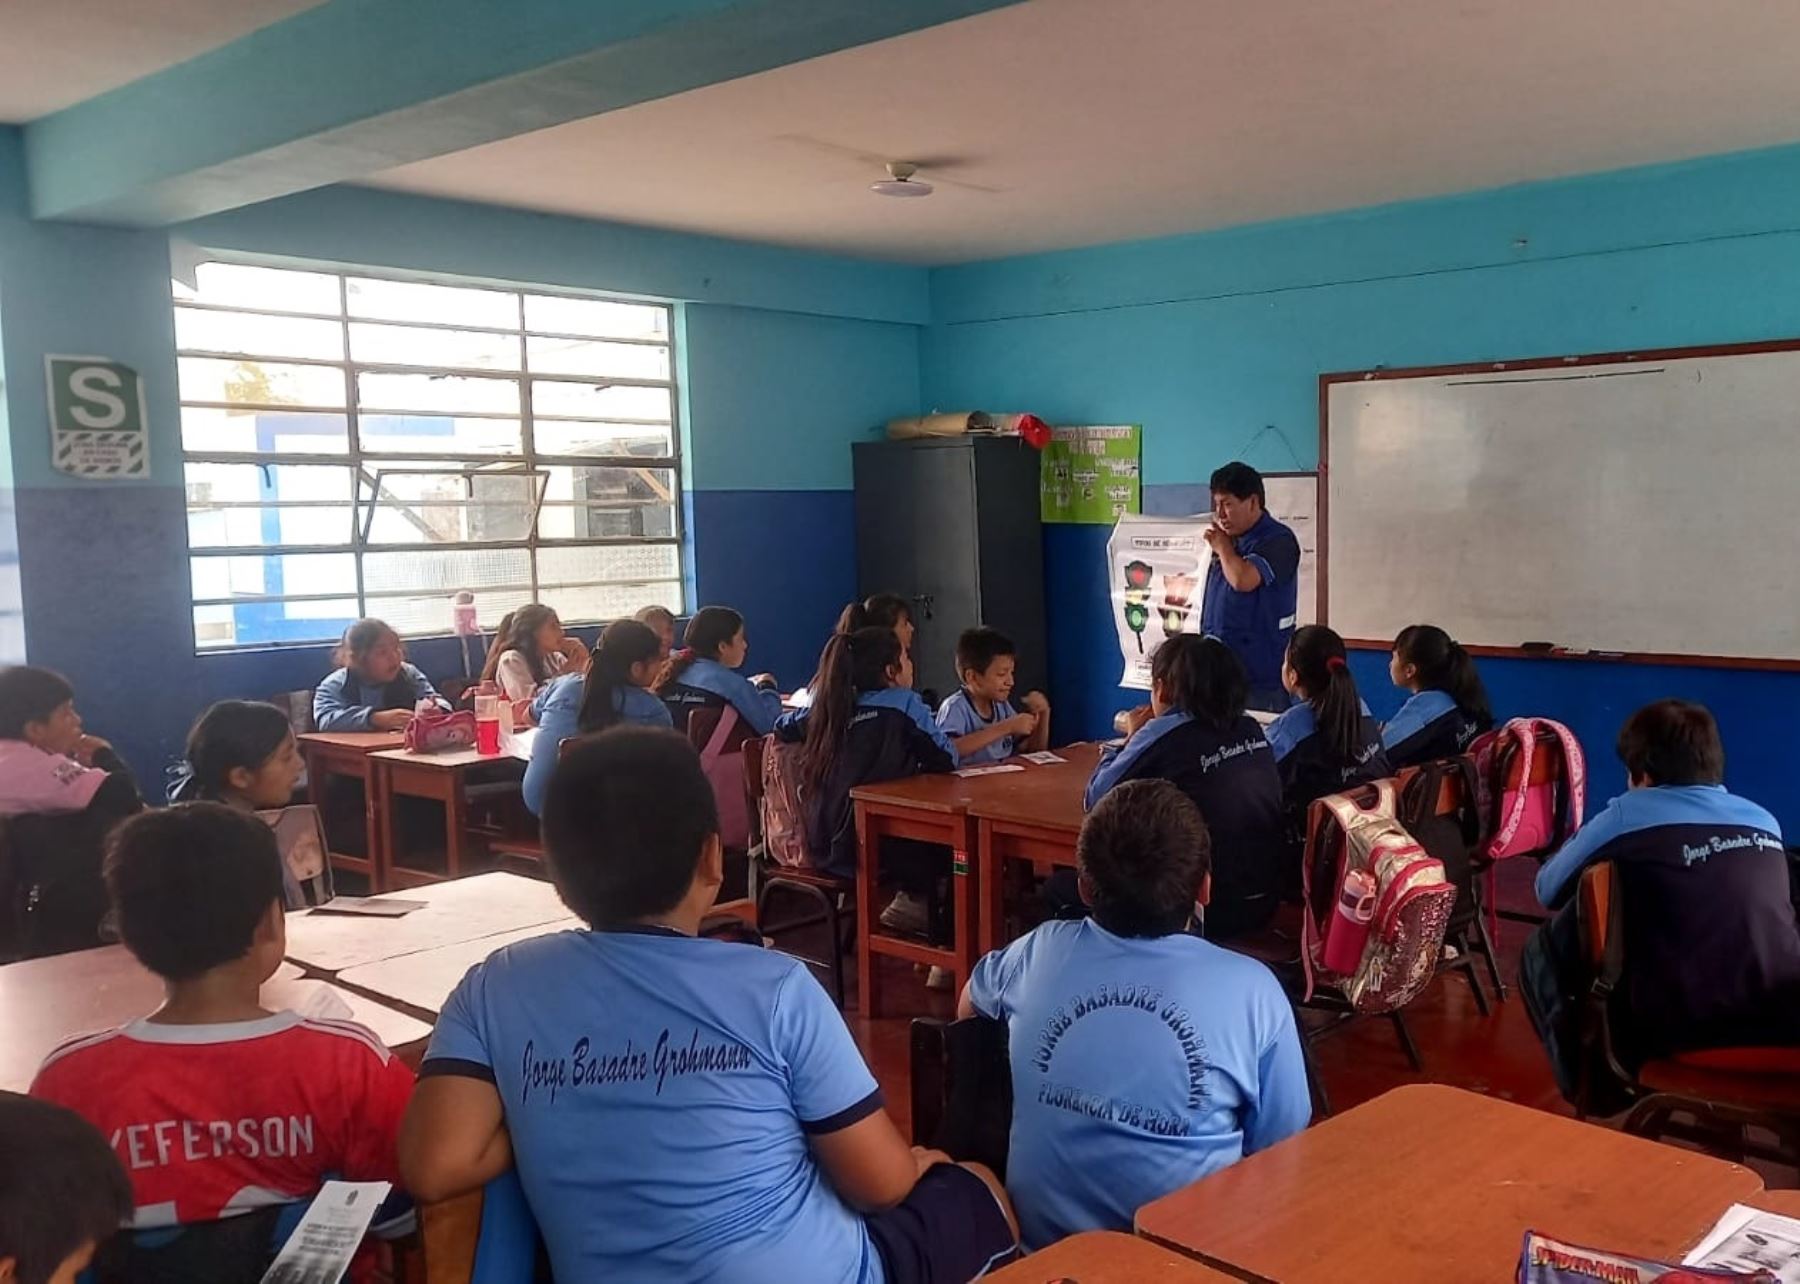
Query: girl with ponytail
x=1329, y=741
x=1448, y=707
x=703, y=674
x=612, y=693
x=865, y=724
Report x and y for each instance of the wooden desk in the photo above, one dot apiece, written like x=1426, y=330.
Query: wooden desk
x=420, y=983
x=1105, y=1257
x=442, y=778
x=44, y=1002
x=346, y=754
x=1476, y=1173
x=1035, y=816
x=465, y=910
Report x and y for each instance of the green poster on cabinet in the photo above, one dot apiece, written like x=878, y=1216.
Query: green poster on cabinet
x=1091, y=474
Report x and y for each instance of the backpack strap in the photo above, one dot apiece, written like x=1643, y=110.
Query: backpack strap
x=721, y=736
x=1522, y=733
x=1576, y=761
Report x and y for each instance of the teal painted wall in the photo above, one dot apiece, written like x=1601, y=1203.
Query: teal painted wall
x=1208, y=340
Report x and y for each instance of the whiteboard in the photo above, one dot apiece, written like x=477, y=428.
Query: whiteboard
x=1293, y=499
x=1643, y=506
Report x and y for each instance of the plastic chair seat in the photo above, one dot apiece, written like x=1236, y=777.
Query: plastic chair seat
x=1771, y=1093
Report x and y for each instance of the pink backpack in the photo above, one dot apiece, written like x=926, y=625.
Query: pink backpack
x=783, y=814
x=1411, y=901
x=1525, y=817
x=724, y=767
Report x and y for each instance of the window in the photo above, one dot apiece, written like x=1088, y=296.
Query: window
x=361, y=446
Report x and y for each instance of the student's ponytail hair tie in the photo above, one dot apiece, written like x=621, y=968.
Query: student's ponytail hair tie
x=685, y=653
x=1334, y=663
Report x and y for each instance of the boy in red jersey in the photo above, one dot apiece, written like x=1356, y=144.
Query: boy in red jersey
x=218, y=1108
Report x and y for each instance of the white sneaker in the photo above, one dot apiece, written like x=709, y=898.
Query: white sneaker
x=905, y=913
x=939, y=978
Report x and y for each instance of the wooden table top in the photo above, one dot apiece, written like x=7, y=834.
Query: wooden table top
x=1049, y=794
x=1106, y=1257
x=455, y=760
x=422, y=982
x=1428, y=1184
x=44, y=1002
x=367, y=741
x=463, y=909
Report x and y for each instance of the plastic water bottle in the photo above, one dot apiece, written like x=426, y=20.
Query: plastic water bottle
x=1348, y=931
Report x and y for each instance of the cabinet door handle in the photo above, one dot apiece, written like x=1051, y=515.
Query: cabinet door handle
x=924, y=602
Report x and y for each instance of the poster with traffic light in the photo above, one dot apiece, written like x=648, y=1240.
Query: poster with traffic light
x=1158, y=567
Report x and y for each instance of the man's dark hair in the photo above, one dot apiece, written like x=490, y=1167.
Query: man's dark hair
x=61, y=1187
x=978, y=648
x=190, y=884
x=1144, y=851
x=1240, y=481
x=29, y=694
x=625, y=820
x=1673, y=742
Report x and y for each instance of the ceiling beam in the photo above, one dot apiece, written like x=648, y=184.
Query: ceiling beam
x=353, y=87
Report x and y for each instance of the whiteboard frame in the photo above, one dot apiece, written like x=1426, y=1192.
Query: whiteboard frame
x=1329, y=380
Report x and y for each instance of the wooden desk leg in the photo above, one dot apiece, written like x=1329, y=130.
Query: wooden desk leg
x=990, y=887
x=374, y=807
x=381, y=787
x=868, y=985
x=966, y=883
x=456, y=823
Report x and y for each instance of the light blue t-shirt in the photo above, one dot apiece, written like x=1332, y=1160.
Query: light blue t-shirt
x=958, y=716
x=1139, y=1065
x=557, y=711
x=659, y=1090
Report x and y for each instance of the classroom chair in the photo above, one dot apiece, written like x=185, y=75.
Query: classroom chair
x=486, y=1237
x=834, y=897
x=1438, y=807
x=1717, y=1098
x=961, y=1084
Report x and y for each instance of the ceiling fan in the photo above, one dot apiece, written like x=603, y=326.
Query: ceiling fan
x=902, y=175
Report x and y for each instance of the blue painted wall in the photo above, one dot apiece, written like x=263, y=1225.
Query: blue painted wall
x=1208, y=340
x=772, y=396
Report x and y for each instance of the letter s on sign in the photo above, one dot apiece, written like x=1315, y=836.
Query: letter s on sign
x=98, y=387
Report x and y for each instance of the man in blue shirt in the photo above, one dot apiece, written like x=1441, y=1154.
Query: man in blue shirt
x=1143, y=1058
x=1252, y=589
x=677, y=1108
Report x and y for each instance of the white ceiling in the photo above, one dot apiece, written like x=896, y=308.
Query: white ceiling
x=57, y=52
x=1105, y=120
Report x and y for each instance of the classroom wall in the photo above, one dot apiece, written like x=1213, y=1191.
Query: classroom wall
x=786, y=359
x=1216, y=341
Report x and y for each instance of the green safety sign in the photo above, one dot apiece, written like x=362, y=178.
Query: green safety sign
x=98, y=427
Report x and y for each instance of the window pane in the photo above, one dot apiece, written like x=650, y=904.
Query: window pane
x=428, y=615
x=215, y=520
x=268, y=623
x=236, y=285
x=569, y=437
x=601, y=318
x=612, y=601
x=439, y=435
x=263, y=336
x=206, y=430
x=600, y=401
x=439, y=304
x=260, y=383
x=641, y=564
x=398, y=345
x=273, y=575
x=451, y=508
x=448, y=571
x=609, y=503
x=592, y=357
x=469, y=394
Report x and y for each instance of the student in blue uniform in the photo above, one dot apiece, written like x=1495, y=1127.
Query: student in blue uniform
x=614, y=690
x=703, y=674
x=879, y=611
x=1448, y=707
x=1197, y=736
x=1251, y=599
x=865, y=724
x=1143, y=1058
x=1712, y=951
x=375, y=689
x=1329, y=741
x=678, y=1108
x=980, y=718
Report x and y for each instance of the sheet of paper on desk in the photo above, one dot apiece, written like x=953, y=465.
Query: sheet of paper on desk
x=518, y=744
x=320, y=1249
x=1044, y=758
x=368, y=906
x=998, y=769
x=1749, y=1239
x=319, y=1001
